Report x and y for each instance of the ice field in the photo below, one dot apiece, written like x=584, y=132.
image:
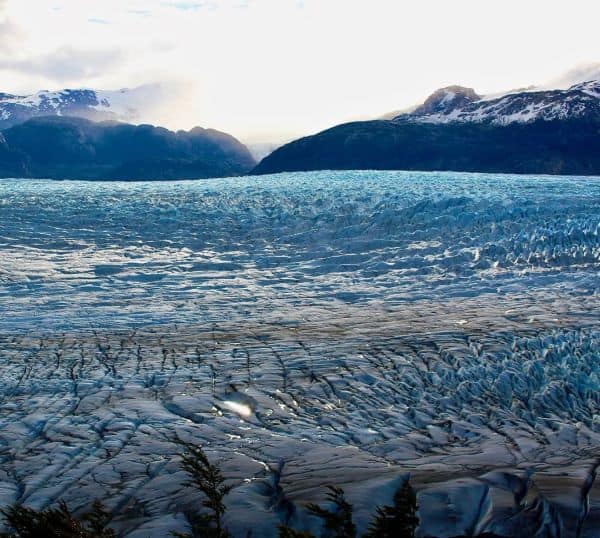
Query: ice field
x=333, y=327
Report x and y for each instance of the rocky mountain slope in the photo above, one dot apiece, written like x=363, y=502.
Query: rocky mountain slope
x=95, y=105
x=550, y=132
x=77, y=148
x=463, y=105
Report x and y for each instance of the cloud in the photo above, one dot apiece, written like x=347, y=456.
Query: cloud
x=580, y=73
x=95, y=20
x=66, y=63
x=140, y=12
x=9, y=32
x=288, y=67
x=185, y=6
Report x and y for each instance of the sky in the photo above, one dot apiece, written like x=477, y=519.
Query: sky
x=270, y=70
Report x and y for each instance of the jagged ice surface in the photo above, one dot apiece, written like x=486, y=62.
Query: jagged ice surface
x=316, y=328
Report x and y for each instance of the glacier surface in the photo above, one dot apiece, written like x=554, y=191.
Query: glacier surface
x=332, y=327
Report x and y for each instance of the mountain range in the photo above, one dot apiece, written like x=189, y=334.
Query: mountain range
x=98, y=105
x=61, y=147
x=529, y=131
x=78, y=134
x=456, y=104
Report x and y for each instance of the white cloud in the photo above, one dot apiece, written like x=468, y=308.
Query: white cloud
x=266, y=69
x=186, y=6
x=579, y=73
x=66, y=64
x=9, y=32
x=7, y=35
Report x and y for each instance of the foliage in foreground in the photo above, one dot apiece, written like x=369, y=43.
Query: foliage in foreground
x=337, y=523
x=208, y=479
x=399, y=520
x=396, y=521
x=288, y=532
x=56, y=523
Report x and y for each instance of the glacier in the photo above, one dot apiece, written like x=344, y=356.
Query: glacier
x=351, y=328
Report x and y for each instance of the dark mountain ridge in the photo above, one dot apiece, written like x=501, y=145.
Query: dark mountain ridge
x=59, y=147
x=560, y=147
x=532, y=132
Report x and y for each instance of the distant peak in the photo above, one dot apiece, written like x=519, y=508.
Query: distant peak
x=456, y=104
x=447, y=99
x=590, y=87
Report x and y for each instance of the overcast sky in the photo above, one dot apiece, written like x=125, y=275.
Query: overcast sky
x=269, y=69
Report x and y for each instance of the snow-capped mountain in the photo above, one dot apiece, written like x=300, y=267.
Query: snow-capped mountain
x=456, y=104
x=96, y=105
x=528, y=131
